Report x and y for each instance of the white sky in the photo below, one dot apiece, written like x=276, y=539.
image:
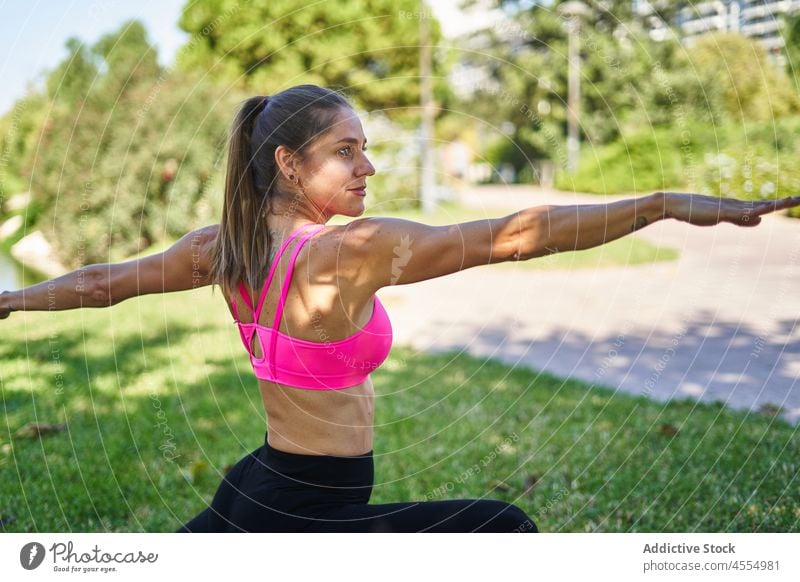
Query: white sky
x=455, y=22
x=33, y=32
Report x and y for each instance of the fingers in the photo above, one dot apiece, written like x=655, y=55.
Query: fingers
x=763, y=207
x=766, y=206
x=751, y=214
x=790, y=202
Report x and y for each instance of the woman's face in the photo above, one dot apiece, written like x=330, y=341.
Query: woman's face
x=334, y=169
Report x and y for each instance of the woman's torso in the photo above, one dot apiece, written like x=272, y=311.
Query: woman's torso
x=322, y=305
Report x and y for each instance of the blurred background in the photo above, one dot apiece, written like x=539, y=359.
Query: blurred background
x=648, y=384
x=115, y=114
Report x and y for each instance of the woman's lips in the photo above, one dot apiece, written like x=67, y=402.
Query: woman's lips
x=359, y=191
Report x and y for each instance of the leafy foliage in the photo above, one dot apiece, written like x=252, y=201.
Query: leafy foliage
x=642, y=161
x=763, y=94
x=650, y=112
x=127, y=152
x=626, y=79
x=120, y=153
x=368, y=47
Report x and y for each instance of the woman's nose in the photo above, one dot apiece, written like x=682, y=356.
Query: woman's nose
x=368, y=169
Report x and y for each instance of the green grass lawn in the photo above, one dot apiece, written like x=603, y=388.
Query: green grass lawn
x=157, y=399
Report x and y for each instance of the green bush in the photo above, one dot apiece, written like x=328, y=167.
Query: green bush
x=751, y=173
x=756, y=162
x=648, y=160
x=751, y=161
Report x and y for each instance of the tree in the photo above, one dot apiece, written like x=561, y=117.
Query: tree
x=368, y=47
x=763, y=94
x=606, y=15
x=128, y=154
x=528, y=80
x=791, y=37
x=70, y=81
x=19, y=131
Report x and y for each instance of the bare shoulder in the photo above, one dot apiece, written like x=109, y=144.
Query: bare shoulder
x=370, y=234
x=361, y=237
x=207, y=234
x=339, y=247
x=204, y=239
x=200, y=244
x=340, y=251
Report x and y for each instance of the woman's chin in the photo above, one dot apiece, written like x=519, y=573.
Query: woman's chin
x=354, y=211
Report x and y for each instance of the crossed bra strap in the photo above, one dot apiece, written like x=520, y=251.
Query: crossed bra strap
x=243, y=289
x=279, y=310
x=284, y=290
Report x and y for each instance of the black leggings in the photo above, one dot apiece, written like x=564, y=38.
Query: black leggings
x=275, y=491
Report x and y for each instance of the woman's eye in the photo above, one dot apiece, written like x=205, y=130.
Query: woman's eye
x=349, y=150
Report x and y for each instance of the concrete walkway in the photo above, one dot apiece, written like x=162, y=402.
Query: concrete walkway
x=719, y=324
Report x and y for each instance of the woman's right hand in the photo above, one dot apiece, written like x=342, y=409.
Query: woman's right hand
x=701, y=210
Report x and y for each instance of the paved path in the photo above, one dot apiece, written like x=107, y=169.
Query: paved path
x=718, y=324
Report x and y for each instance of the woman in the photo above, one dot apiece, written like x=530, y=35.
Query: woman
x=303, y=296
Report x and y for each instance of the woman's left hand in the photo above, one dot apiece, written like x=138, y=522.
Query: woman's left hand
x=701, y=210
x=5, y=310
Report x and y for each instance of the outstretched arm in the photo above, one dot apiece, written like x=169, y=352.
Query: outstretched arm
x=392, y=251
x=183, y=266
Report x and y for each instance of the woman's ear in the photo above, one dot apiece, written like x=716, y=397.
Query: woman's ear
x=287, y=161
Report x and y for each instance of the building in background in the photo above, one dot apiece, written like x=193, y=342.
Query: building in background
x=758, y=19
x=763, y=20
x=685, y=20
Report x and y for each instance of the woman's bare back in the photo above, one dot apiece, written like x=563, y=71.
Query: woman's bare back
x=323, y=304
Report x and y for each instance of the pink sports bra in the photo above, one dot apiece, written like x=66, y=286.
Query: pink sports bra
x=329, y=365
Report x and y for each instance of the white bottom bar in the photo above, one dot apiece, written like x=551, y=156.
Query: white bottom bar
x=402, y=557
